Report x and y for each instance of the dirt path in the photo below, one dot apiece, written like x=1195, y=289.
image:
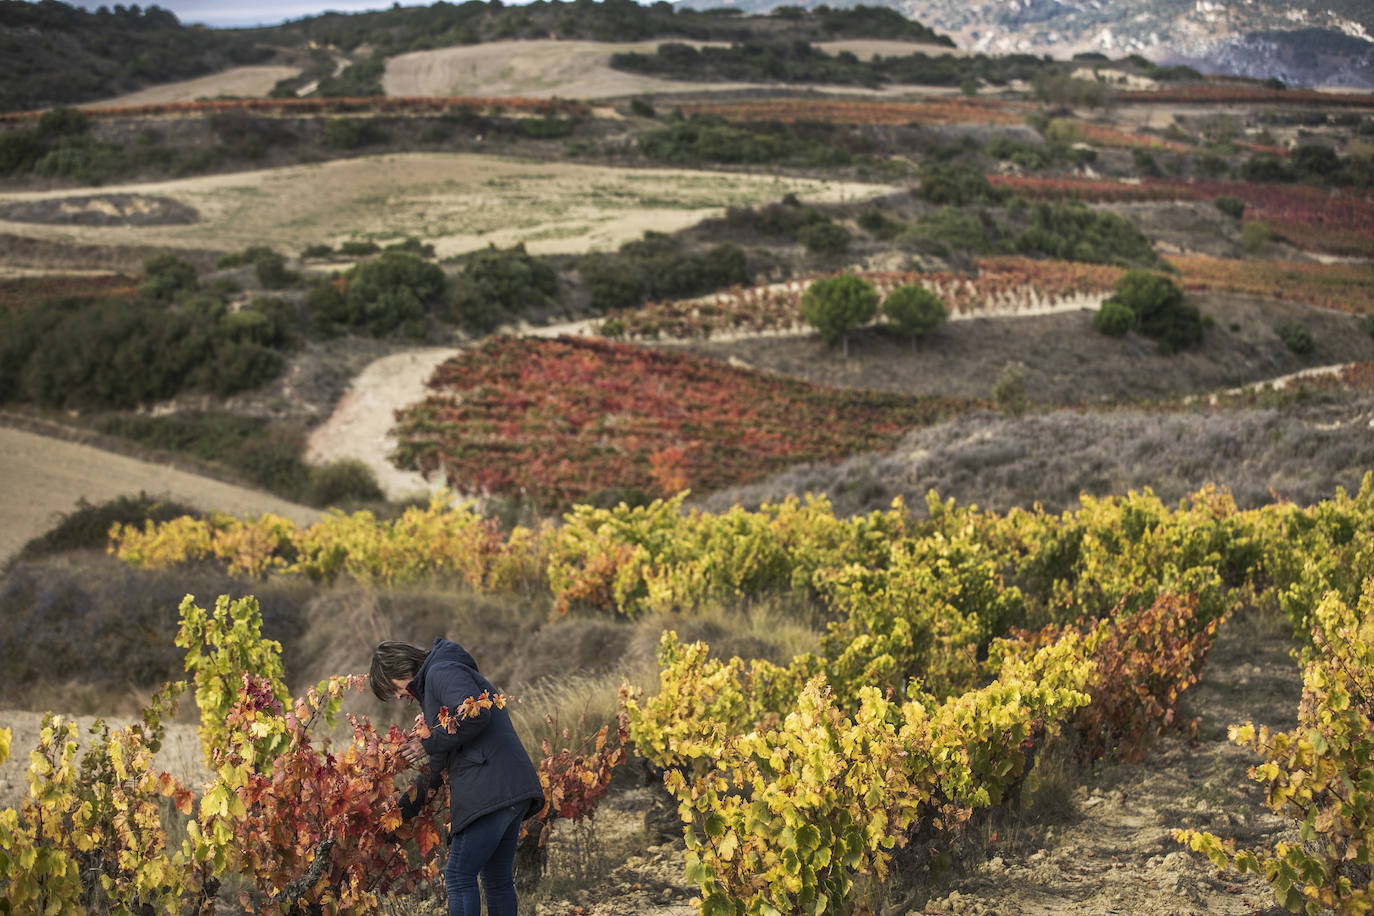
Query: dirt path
x=44, y=477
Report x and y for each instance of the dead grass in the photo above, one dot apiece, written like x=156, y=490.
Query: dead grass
x=458, y=202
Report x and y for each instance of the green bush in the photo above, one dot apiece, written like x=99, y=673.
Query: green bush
x=1009, y=391
x=340, y=483
x=914, y=310
x=1231, y=206
x=1267, y=167
x=1072, y=232
x=950, y=230
x=655, y=268
x=394, y=291
x=1254, y=236
x=351, y=133
x=1367, y=324
x=317, y=252
x=1296, y=337
x=836, y=305
x=548, y=127
x=166, y=277
x=354, y=249
x=412, y=245
x=497, y=284
x=1160, y=311
x=878, y=224
x=87, y=527
x=824, y=238
x=955, y=185
x=1113, y=318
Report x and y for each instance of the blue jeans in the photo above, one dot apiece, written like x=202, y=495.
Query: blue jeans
x=486, y=847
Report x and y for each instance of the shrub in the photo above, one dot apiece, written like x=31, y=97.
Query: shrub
x=394, y=291
x=87, y=527
x=1113, y=318
x=412, y=245
x=167, y=277
x=834, y=306
x=1254, y=236
x=641, y=108
x=1072, y=232
x=955, y=185
x=654, y=267
x=317, y=252
x=340, y=482
x=355, y=249
x=878, y=224
x=1231, y=206
x=351, y=133
x=1266, y=167
x=1367, y=324
x=949, y=230
x=824, y=238
x=914, y=310
x=1159, y=309
x=496, y=284
x=1296, y=337
x=1009, y=391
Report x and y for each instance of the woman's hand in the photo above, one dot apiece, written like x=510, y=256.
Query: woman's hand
x=413, y=751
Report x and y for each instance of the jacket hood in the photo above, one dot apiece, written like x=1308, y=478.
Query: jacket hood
x=447, y=651
x=444, y=652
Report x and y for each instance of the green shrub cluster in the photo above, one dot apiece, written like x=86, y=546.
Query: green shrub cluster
x=1152, y=304
x=496, y=285
x=268, y=265
x=1072, y=232
x=709, y=138
x=1296, y=337
x=397, y=290
x=360, y=79
x=951, y=184
x=1037, y=156
x=87, y=527
x=1309, y=162
x=656, y=267
x=59, y=146
x=110, y=353
x=1231, y=206
x=794, y=61
x=351, y=133
x=952, y=230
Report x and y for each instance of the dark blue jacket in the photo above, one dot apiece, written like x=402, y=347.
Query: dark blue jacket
x=487, y=766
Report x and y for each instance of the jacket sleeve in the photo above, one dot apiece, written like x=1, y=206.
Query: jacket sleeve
x=430, y=778
x=451, y=690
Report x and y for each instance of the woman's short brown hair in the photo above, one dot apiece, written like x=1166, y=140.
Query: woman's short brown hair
x=392, y=661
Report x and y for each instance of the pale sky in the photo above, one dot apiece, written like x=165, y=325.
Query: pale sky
x=244, y=13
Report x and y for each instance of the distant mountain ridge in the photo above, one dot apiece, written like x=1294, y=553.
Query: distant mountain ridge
x=1327, y=45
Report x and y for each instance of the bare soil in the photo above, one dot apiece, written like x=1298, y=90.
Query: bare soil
x=237, y=82
x=458, y=202
x=581, y=70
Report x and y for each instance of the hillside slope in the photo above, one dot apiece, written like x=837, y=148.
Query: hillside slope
x=45, y=477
